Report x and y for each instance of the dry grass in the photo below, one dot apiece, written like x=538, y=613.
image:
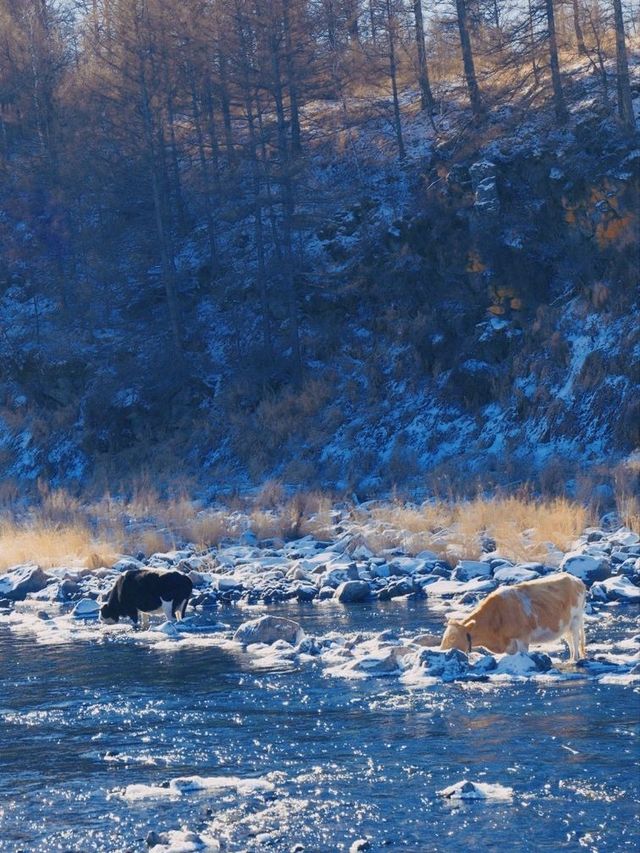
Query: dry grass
x=522, y=528
x=64, y=530
x=53, y=545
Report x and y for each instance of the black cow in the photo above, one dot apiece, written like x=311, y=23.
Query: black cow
x=147, y=591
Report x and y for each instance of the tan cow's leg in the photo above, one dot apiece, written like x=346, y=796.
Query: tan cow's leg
x=583, y=641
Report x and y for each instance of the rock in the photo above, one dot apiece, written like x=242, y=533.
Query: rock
x=588, y=568
x=627, y=567
x=125, y=564
x=466, y=570
x=6, y=604
x=168, y=629
x=617, y=588
x=306, y=592
x=450, y=665
x=197, y=578
x=227, y=583
x=360, y=845
x=68, y=588
x=624, y=536
x=522, y=663
x=466, y=790
x=395, y=589
x=481, y=663
x=352, y=591
x=86, y=608
x=18, y=582
x=326, y=592
x=430, y=556
x=516, y=574
x=427, y=640
x=269, y=629
x=385, y=663
x=153, y=838
x=487, y=199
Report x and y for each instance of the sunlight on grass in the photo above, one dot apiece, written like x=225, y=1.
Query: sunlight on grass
x=63, y=530
x=52, y=545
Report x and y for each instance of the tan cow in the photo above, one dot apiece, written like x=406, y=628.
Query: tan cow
x=512, y=617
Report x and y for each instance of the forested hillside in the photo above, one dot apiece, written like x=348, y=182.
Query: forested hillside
x=356, y=245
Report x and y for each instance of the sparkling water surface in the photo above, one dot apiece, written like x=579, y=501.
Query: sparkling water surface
x=81, y=721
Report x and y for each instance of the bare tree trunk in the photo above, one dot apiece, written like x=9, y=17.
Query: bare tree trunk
x=166, y=252
x=625, y=103
x=467, y=59
x=296, y=146
x=212, y=133
x=397, y=120
x=558, y=94
x=259, y=234
x=532, y=42
x=582, y=50
x=226, y=109
x=426, y=96
x=353, y=26
x=204, y=168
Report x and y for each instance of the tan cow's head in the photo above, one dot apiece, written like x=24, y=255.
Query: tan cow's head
x=457, y=635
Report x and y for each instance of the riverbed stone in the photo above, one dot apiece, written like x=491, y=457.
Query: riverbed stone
x=616, y=588
x=86, y=608
x=268, y=630
x=352, y=591
x=467, y=570
x=586, y=567
x=18, y=582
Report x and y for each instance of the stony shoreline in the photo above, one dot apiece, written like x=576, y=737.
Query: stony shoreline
x=255, y=575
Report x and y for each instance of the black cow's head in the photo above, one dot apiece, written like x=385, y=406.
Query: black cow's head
x=109, y=613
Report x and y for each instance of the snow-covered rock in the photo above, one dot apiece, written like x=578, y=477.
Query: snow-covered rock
x=514, y=574
x=86, y=608
x=18, y=582
x=352, y=591
x=466, y=790
x=617, y=588
x=467, y=570
x=269, y=629
x=588, y=568
x=125, y=564
x=522, y=663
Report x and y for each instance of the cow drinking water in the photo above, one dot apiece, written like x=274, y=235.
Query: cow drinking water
x=147, y=591
x=510, y=618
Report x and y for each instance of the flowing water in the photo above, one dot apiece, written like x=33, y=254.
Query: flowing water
x=79, y=722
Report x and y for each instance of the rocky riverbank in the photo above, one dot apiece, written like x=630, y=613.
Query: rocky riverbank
x=249, y=576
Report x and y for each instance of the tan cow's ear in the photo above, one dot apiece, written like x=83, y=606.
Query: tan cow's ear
x=471, y=624
x=451, y=620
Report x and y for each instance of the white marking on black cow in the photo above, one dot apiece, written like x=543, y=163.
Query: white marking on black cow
x=145, y=592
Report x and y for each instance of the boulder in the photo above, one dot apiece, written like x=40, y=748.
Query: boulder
x=624, y=536
x=522, y=663
x=449, y=665
x=353, y=591
x=385, y=663
x=588, y=568
x=86, y=608
x=269, y=629
x=20, y=581
x=125, y=564
x=617, y=588
x=466, y=570
x=515, y=574
x=306, y=592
